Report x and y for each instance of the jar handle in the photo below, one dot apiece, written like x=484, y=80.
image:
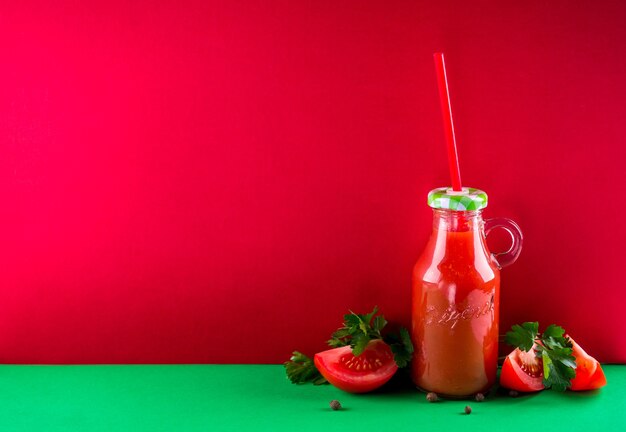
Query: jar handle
x=504, y=259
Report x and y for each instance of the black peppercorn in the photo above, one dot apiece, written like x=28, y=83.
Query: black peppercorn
x=335, y=405
x=468, y=409
x=432, y=397
x=513, y=393
x=479, y=397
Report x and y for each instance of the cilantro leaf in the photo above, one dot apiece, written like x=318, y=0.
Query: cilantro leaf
x=523, y=336
x=301, y=369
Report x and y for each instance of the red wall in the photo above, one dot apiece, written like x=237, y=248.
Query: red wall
x=220, y=181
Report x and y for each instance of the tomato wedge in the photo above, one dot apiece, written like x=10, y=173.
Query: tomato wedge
x=522, y=371
x=589, y=373
x=370, y=370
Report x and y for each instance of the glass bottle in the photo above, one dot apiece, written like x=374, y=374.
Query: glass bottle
x=456, y=293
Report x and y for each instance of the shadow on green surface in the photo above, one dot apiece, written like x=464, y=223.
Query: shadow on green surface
x=401, y=386
x=339, y=410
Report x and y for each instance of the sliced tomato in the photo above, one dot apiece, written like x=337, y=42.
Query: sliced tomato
x=370, y=370
x=522, y=371
x=589, y=373
x=597, y=380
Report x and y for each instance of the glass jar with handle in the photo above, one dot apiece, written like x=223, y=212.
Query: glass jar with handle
x=456, y=293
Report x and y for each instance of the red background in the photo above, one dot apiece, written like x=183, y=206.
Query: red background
x=220, y=181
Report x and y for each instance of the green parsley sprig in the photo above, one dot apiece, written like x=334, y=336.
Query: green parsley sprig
x=301, y=369
x=552, y=346
x=357, y=331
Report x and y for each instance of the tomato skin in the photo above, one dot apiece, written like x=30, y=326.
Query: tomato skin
x=589, y=373
x=514, y=377
x=598, y=379
x=338, y=366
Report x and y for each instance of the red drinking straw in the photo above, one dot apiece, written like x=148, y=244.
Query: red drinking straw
x=448, y=123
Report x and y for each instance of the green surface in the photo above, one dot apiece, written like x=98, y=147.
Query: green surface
x=240, y=398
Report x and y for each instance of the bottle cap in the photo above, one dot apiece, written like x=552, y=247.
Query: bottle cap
x=468, y=199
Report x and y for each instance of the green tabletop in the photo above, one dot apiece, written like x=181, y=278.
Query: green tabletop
x=254, y=397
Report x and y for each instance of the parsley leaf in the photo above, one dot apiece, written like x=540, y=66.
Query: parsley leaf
x=358, y=343
x=359, y=329
x=339, y=338
x=351, y=320
x=559, y=365
x=552, y=347
x=554, y=331
x=402, y=347
x=379, y=323
x=301, y=369
x=523, y=336
x=557, y=374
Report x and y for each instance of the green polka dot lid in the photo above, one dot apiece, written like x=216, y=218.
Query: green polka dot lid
x=468, y=199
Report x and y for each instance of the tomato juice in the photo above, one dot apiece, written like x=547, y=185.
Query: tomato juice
x=456, y=287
